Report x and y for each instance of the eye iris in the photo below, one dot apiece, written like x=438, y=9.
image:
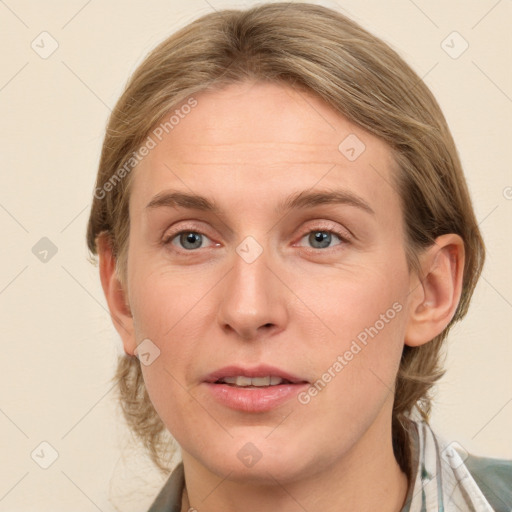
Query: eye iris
x=321, y=237
x=190, y=238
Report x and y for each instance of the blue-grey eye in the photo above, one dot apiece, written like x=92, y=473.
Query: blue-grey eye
x=190, y=240
x=321, y=239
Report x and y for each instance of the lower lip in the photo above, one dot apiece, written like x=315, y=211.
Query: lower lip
x=252, y=399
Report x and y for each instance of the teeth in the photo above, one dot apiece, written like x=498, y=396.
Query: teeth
x=261, y=381
x=243, y=381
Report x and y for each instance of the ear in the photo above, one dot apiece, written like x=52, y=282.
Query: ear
x=436, y=293
x=115, y=294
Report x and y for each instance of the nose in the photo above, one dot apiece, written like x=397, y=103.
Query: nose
x=252, y=300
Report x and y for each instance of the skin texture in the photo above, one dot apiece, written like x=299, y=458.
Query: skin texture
x=298, y=306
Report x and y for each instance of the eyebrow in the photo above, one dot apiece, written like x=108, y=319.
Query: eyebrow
x=296, y=201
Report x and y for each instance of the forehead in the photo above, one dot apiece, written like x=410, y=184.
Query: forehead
x=259, y=138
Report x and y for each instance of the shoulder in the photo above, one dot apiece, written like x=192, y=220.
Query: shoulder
x=169, y=498
x=466, y=481
x=494, y=478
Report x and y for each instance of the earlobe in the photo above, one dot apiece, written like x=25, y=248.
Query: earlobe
x=436, y=293
x=115, y=294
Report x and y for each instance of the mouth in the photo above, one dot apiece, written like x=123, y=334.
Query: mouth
x=259, y=389
x=253, y=382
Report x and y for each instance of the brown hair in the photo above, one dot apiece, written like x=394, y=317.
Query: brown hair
x=358, y=75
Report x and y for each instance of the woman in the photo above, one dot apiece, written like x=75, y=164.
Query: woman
x=285, y=238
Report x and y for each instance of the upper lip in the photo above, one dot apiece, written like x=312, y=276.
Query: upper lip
x=255, y=371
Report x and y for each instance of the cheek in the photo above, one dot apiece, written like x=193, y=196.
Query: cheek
x=164, y=300
x=363, y=313
x=351, y=299
x=164, y=313
x=169, y=309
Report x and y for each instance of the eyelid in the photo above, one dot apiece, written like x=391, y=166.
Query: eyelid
x=321, y=225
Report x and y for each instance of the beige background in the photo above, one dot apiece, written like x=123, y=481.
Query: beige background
x=58, y=343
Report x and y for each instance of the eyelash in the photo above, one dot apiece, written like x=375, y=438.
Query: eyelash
x=343, y=237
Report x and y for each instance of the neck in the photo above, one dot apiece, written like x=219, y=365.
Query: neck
x=366, y=479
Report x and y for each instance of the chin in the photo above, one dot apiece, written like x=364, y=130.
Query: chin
x=256, y=460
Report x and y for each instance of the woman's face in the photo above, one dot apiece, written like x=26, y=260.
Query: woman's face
x=298, y=274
